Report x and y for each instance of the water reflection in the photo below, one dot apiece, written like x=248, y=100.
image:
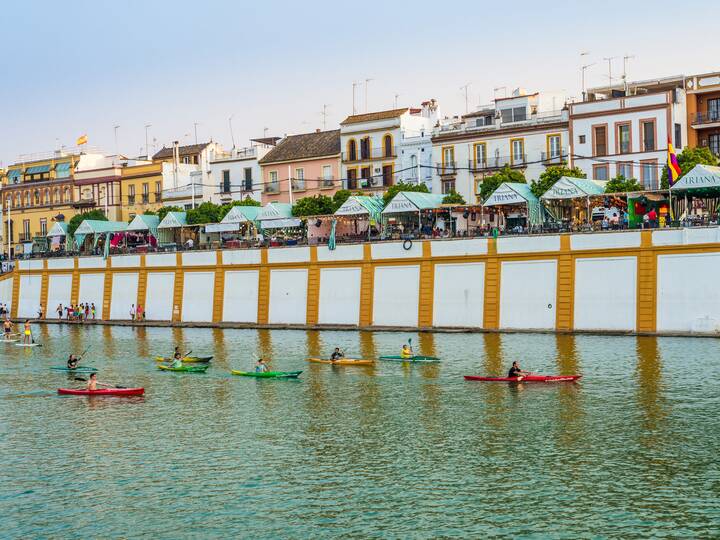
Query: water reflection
x=367, y=345
x=650, y=389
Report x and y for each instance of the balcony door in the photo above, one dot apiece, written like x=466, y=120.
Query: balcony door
x=714, y=109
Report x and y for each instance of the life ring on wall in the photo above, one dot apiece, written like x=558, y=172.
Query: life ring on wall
x=407, y=244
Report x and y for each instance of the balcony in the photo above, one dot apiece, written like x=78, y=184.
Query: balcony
x=145, y=198
x=706, y=119
x=553, y=158
x=374, y=153
x=131, y=200
x=326, y=183
x=497, y=162
x=238, y=153
x=272, y=188
x=447, y=168
x=298, y=184
x=370, y=184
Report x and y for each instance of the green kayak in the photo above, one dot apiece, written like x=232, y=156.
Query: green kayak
x=79, y=369
x=268, y=374
x=413, y=359
x=186, y=369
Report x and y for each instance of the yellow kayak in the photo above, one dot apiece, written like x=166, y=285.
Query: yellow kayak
x=344, y=361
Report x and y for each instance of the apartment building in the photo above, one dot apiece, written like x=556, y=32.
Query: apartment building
x=625, y=130
x=703, y=111
x=192, y=183
x=524, y=131
x=236, y=174
x=381, y=147
x=301, y=166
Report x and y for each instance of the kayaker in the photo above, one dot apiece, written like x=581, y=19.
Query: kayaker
x=261, y=366
x=27, y=337
x=337, y=354
x=516, y=373
x=73, y=361
x=177, y=359
x=7, y=327
x=93, y=383
x=407, y=351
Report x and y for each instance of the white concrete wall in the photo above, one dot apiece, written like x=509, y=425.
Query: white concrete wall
x=199, y=258
x=395, y=250
x=6, y=287
x=606, y=293
x=528, y=294
x=289, y=255
x=353, y=252
x=241, y=256
x=454, y=248
x=680, y=237
x=688, y=296
x=395, y=295
x=159, y=297
x=198, y=296
x=29, y=296
x=59, y=291
x=288, y=296
x=459, y=295
x=339, y=296
x=64, y=264
x=125, y=261
x=91, y=262
x=33, y=264
x=123, y=296
x=161, y=259
x=527, y=244
x=609, y=240
x=92, y=287
x=240, y=301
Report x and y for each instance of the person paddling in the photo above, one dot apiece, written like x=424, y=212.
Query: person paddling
x=73, y=361
x=27, y=337
x=406, y=351
x=93, y=383
x=177, y=359
x=516, y=373
x=260, y=366
x=337, y=354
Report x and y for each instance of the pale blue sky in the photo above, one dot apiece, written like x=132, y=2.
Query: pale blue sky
x=69, y=68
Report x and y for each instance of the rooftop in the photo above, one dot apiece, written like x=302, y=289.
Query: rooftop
x=188, y=150
x=373, y=116
x=307, y=145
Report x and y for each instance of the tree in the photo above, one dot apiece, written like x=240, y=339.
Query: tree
x=551, y=175
x=402, y=186
x=162, y=212
x=76, y=220
x=313, y=206
x=620, y=184
x=247, y=201
x=492, y=182
x=149, y=213
x=453, y=198
x=340, y=197
x=687, y=159
x=207, y=212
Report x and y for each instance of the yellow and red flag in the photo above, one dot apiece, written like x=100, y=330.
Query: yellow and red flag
x=673, y=166
x=82, y=139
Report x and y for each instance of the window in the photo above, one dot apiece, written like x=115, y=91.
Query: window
x=480, y=155
x=581, y=139
x=600, y=172
x=43, y=227
x=553, y=146
x=387, y=172
x=36, y=195
x=352, y=150
x=27, y=198
x=600, y=140
x=26, y=230
x=146, y=193
x=622, y=138
x=714, y=143
x=625, y=169
x=365, y=173
x=351, y=179
x=413, y=172
x=515, y=114
x=274, y=185
x=517, y=151
x=299, y=179
x=448, y=186
x=247, y=172
x=327, y=176
x=158, y=191
x=713, y=107
x=131, y=195
x=387, y=146
x=647, y=134
x=225, y=185
x=484, y=121
x=365, y=148
x=649, y=174
x=46, y=198
x=68, y=195
x=678, y=136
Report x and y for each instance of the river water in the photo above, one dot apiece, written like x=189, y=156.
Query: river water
x=391, y=451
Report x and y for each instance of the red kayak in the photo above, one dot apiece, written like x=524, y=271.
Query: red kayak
x=103, y=392
x=527, y=378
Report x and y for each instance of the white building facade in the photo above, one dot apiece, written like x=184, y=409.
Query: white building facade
x=628, y=135
x=523, y=132
x=236, y=174
x=379, y=149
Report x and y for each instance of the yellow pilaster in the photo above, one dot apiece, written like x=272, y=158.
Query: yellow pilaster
x=75, y=287
x=263, y=288
x=15, y=293
x=44, y=286
x=313, y=289
x=178, y=291
x=646, y=285
x=219, y=290
x=564, y=308
x=491, y=306
x=367, y=284
x=107, y=290
x=427, y=287
x=142, y=285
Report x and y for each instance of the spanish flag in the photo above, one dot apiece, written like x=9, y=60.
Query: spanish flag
x=82, y=139
x=673, y=166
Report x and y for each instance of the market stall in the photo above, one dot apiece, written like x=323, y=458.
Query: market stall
x=357, y=219
x=569, y=201
x=174, y=232
x=237, y=229
x=279, y=226
x=696, y=195
x=516, y=208
x=412, y=214
x=97, y=236
x=58, y=237
x=142, y=233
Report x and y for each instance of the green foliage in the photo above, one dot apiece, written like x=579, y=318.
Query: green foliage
x=313, y=206
x=402, y=186
x=687, y=159
x=340, y=197
x=620, y=184
x=149, y=213
x=453, y=198
x=553, y=174
x=76, y=220
x=247, y=201
x=162, y=212
x=492, y=182
x=207, y=212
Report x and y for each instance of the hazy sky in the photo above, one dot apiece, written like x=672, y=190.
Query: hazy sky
x=76, y=67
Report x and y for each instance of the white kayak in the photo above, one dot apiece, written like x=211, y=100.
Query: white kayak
x=27, y=344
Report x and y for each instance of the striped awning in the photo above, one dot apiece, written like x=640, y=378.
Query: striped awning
x=15, y=173
x=38, y=169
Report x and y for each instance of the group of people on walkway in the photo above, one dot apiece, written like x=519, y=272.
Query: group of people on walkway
x=84, y=311
x=137, y=313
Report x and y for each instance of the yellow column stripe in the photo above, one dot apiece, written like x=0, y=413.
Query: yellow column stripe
x=491, y=305
x=179, y=287
x=107, y=291
x=646, y=285
x=142, y=284
x=75, y=287
x=564, y=308
x=263, y=288
x=219, y=292
x=44, y=286
x=367, y=284
x=313, y=289
x=427, y=285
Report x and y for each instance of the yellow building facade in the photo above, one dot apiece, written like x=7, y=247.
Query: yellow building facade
x=141, y=188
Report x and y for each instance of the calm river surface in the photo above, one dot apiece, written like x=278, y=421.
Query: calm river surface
x=391, y=451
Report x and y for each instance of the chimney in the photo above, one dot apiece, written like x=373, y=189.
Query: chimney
x=317, y=130
x=176, y=160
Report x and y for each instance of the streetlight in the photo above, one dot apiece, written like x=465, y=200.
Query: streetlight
x=583, y=68
x=147, y=145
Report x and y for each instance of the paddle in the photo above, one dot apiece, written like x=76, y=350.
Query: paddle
x=101, y=384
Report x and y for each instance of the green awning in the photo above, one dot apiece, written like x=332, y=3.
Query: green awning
x=15, y=173
x=241, y=214
x=361, y=205
x=62, y=167
x=514, y=193
x=144, y=222
x=173, y=220
x=700, y=181
x=411, y=201
x=572, y=188
x=38, y=169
